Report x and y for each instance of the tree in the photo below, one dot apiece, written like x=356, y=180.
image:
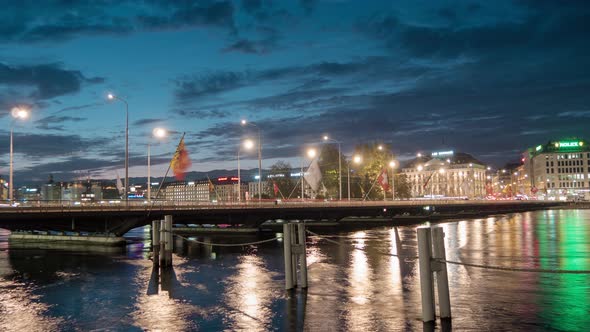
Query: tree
x=280, y=174
x=402, y=186
x=373, y=162
x=328, y=161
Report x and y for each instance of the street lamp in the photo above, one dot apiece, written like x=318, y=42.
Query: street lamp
x=248, y=144
x=111, y=96
x=246, y=123
x=157, y=133
x=392, y=165
x=311, y=153
x=357, y=159
x=326, y=138
x=17, y=113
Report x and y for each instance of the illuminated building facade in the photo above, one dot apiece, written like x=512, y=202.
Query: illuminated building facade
x=446, y=174
x=560, y=169
x=185, y=191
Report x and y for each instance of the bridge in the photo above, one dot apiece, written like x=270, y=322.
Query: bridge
x=118, y=219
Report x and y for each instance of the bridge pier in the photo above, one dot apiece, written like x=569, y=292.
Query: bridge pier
x=294, y=248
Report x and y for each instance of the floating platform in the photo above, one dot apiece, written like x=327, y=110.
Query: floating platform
x=74, y=239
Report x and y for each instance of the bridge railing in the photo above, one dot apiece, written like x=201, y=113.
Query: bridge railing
x=63, y=206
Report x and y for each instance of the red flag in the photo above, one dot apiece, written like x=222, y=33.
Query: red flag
x=180, y=162
x=275, y=188
x=384, y=179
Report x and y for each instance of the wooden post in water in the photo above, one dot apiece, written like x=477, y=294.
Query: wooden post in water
x=156, y=242
x=168, y=221
x=442, y=279
x=288, y=256
x=162, y=243
x=302, y=255
x=294, y=245
x=426, y=277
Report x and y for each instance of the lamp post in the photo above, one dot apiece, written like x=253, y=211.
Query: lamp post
x=157, y=133
x=245, y=123
x=248, y=144
x=111, y=96
x=392, y=165
x=17, y=113
x=328, y=139
x=357, y=159
x=311, y=153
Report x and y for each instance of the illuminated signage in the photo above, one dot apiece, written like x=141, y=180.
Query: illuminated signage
x=569, y=144
x=538, y=148
x=442, y=153
x=225, y=178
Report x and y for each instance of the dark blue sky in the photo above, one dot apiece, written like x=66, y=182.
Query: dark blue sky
x=490, y=78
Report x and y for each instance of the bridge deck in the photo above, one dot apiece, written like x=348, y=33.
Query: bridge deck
x=118, y=219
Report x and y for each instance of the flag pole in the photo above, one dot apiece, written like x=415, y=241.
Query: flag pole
x=165, y=175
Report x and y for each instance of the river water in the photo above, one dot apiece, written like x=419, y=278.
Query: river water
x=353, y=284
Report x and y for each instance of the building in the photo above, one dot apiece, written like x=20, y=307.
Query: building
x=226, y=189
x=446, y=174
x=559, y=169
x=185, y=191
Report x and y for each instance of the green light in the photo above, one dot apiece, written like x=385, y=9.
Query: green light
x=569, y=144
x=538, y=148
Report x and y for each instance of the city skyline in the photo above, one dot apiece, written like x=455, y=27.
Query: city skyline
x=489, y=79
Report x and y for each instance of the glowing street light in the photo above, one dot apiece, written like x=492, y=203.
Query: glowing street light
x=357, y=159
x=327, y=138
x=246, y=123
x=18, y=113
x=248, y=145
x=311, y=153
x=113, y=97
x=392, y=165
x=157, y=133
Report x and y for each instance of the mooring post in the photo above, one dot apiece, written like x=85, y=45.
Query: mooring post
x=168, y=220
x=288, y=256
x=162, y=243
x=302, y=255
x=442, y=279
x=156, y=242
x=294, y=248
x=426, y=285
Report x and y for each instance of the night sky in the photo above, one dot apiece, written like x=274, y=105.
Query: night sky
x=490, y=78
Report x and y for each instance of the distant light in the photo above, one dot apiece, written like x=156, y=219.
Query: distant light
x=159, y=132
x=111, y=96
x=419, y=155
x=470, y=165
x=380, y=147
x=420, y=168
x=441, y=171
x=20, y=112
x=489, y=168
x=392, y=164
x=326, y=137
x=311, y=153
x=243, y=122
x=248, y=144
x=357, y=159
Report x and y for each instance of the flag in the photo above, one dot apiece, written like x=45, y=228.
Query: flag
x=180, y=162
x=383, y=180
x=119, y=185
x=313, y=175
x=275, y=188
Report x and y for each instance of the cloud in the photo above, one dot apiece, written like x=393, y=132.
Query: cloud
x=62, y=20
x=43, y=81
x=143, y=122
x=35, y=146
x=46, y=122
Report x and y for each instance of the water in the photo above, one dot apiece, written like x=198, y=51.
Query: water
x=241, y=289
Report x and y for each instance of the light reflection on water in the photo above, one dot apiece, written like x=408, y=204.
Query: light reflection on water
x=355, y=285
